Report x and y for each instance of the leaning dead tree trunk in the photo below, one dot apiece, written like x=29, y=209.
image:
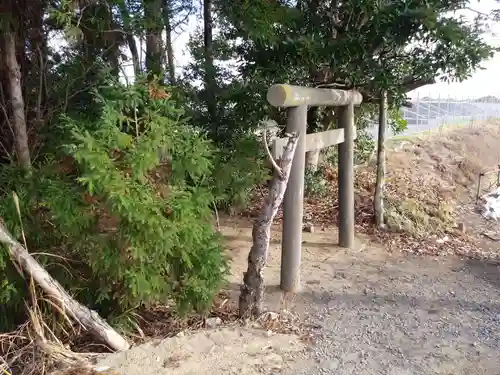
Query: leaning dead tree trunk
x=252, y=290
x=378, y=200
x=87, y=318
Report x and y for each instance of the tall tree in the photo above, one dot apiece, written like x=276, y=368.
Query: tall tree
x=354, y=44
x=210, y=83
x=154, y=26
x=169, y=49
x=16, y=97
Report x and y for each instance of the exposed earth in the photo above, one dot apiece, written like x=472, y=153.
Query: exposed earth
x=364, y=310
x=372, y=313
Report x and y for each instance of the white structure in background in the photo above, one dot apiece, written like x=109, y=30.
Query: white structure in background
x=431, y=114
x=271, y=127
x=491, y=209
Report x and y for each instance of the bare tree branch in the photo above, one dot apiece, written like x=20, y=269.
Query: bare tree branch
x=269, y=155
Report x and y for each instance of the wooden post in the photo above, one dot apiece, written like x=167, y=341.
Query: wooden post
x=378, y=200
x=293, y=204
x=297, y=99
x=346, y=176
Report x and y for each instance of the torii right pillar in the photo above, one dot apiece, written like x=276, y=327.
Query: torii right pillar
x=345, y=118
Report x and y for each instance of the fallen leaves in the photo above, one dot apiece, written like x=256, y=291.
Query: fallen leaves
x=435, y=236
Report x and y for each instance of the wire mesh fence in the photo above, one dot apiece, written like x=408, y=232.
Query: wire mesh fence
x=428, y=114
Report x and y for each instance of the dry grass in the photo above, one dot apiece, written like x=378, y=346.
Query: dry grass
x=454, y=158
x=429, y=175
x=34, y=348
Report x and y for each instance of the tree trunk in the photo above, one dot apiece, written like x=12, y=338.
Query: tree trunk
x=88, y=318
x=16, y=100
x=252, y=289
x=39, y=47
x=132, y=45
x=378, y=200
x=154, y=51
x=313, y=126
x=209, y=59
x=312, y=159
x=167, y=20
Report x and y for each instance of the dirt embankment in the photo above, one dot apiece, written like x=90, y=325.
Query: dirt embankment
x=432, y=183
x=452, y=158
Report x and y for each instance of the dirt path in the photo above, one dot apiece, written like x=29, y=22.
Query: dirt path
x=375, y=313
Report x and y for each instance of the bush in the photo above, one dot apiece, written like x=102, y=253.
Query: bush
x=315, y=184
x=364, y=147
x=120, y=226
x=238, y=169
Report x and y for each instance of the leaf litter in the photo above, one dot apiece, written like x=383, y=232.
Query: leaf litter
x=428, y=183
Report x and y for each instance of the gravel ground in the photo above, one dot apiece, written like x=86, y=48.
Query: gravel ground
x=371, y=313
x=421, y=317
x=380, y=313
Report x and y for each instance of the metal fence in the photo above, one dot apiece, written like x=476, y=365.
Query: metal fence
x=427, y=114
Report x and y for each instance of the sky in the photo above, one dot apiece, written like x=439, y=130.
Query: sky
x=483, y=82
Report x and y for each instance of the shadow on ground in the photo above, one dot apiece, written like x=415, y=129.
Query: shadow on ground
x=488, y=271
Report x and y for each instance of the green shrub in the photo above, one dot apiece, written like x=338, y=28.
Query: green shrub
x=364, y=146
x=238, y=169
x=121, y=227
x=315, y=184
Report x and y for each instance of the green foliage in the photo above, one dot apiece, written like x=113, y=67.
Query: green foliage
x=135, y=228
x=53, y=215
x=364, y=146
x=397, y=123
x=315, y=184
x=239, y=167
x=397, y=46
x=332, y=156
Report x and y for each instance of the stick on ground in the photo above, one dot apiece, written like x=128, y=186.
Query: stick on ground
x=89, y=319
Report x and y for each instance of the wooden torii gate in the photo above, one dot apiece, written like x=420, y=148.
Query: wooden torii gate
x=297, y=99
